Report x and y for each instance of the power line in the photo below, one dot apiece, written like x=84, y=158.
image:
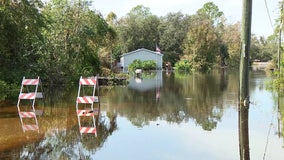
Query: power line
x=268, y=134
x=268, y=13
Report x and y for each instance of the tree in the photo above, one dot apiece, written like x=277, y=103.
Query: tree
x=138, y=29
x=231, y=37
x=262, y=49
x=73, y=38
x=211, y=11
x=201, y=44
x=172, y=32
x=20, y=38
x=111, y=18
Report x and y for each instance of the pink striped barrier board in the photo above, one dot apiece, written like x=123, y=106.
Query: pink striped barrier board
x=86, y=99
x=89, y=81
x=31, y=127
x=27, y=96
x=27, y=114
x=30, y=81
x=91, y=130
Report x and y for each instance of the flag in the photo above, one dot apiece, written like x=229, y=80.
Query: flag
x=158, y=49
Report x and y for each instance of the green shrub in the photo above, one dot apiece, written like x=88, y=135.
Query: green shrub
x=145, y=65
x=149, y=65
x=136, y=64
x=183, y=65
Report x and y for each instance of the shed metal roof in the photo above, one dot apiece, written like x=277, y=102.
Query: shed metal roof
x=141, y=49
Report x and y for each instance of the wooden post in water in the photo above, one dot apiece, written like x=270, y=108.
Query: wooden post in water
x=245, y=47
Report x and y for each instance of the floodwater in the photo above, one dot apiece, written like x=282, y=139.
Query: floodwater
x=159, y=116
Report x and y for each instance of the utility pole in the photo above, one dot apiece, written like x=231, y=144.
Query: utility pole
x=244, y=81
x=245, y=48
x=279, y=40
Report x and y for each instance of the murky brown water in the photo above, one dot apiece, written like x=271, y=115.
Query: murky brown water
x=161, y=116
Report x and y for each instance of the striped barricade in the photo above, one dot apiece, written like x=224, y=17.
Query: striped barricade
x=30, y=82
x=30, y=127
x=27, y=96
x=88, y=81
x=91, y=84
x=86, y=99
x=27, y=114
x=91, y=130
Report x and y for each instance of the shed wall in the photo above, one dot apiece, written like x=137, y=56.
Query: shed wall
x=142, y=55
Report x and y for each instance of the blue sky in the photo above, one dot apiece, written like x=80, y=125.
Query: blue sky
x=232, y=9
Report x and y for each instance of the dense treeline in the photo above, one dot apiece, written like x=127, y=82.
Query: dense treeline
x=57, y=40
x=278, y=81
x=60, y=40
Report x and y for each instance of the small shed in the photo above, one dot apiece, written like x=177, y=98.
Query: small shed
x=143, y=55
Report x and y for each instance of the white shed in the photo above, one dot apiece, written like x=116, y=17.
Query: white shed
x=143, y=55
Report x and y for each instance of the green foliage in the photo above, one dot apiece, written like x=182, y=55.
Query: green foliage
x=183, y=65
x=64, y=39
x=201, y=44
x=231, y=38
x=73, y=38
x=20, y=38
x=270, y=45
x=145, y=65
x=140, y=12
x=262, y=49
x=136, y=64
x=59, y=41
x=3, y=90
x=149, y=65
x=210, y=10
x=139, y=29
x=278, y=82
x=223, y=54
x=172, y=33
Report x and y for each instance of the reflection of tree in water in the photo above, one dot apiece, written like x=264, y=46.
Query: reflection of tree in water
x=69, y=143
x=183, y=97
x=139, y=108
x=205, y=105
x=59, y=125
x=57, y=94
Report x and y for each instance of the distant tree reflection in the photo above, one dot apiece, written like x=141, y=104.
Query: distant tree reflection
x=69, y=143
x=201, y=97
